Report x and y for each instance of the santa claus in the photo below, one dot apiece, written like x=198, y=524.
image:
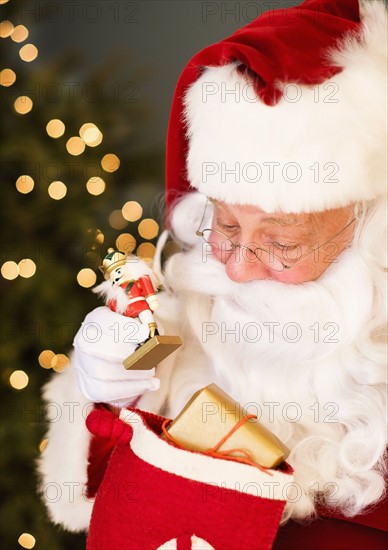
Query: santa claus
x=276, y=178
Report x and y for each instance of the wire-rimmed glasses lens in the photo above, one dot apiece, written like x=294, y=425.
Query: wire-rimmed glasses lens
x=223, y=247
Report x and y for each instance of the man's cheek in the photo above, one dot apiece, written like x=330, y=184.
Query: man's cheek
x=304, y=272
x=215, y=250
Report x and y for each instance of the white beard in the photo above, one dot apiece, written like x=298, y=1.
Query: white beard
x=316, y=378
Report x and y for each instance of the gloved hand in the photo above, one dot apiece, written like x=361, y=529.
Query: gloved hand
x=104, y=340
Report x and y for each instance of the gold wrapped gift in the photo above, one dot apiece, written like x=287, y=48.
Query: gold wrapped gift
x=211, y=414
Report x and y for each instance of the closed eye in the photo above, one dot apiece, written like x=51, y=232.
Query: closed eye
x=226, y=226
x=290, y=246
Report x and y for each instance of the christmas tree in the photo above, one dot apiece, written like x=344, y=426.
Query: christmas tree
x=76, y=178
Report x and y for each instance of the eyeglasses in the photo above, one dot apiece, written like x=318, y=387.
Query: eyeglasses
x=222, y=244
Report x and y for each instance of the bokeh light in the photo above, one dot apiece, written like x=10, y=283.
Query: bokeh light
x=7, y=77
x=148, y=228
x=18, y=379
x=24, y=184
x=19, y=34
x=10, y=270
x=6, y=29
x=59, y=362
x=146, y=251
x=117, y=221
x=26, y=541
x=27, y=268
x=75, y=146
x=92, y=253
x=95, y=185
x=110, y=162
x=45, y=358
x=43, y=445
x=100, y=236
x=126, y=243
x=132, y=211
x=85, y=133
x=90, y=134
x=28, y=52
x=86, y=277
x=57, y=190
x=55, y=128
x=96, y=141
x=23, y=105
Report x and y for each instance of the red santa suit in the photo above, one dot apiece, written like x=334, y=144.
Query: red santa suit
x=276, y=50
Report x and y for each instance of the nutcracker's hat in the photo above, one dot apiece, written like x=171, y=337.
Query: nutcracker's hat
x=112, y=260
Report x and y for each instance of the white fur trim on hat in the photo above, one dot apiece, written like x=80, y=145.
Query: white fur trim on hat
x=320, y=147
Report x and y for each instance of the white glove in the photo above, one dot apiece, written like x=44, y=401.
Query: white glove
x=104, y=340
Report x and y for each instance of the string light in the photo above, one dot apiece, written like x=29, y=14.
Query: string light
x=95, y=185
x=57, y=190
x=75, y=146
x=55, y=128
x=10, y=270
x=110, y=162
x=28, y=53
x=146, y=251
x=18, y=379
x=45, y=358
x=24, y=184
x=148, y=228
x=86, y=277
x=6, y=29
x=26, y=541
x=7, y=77
x=132, y=211
x=126, y=243
x=23, y=105
x=116, y=220
x=19, y=34
x=27, y=268
x=59, y=362
x=3, y=2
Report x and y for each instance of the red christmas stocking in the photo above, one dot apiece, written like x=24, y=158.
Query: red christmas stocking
x=156, y=496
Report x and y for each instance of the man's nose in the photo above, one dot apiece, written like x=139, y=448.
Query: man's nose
x=242, y=266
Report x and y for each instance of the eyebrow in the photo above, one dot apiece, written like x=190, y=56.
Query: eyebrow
x=285, y=221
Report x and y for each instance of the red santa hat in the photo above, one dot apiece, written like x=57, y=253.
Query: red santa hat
x=288, y=113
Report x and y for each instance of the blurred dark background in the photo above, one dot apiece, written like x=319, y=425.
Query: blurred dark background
x=86, y=88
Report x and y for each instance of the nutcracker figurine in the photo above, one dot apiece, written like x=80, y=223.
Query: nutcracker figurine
x=128, y=290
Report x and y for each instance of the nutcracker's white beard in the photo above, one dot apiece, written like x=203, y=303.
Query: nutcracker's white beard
x=307, y=358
